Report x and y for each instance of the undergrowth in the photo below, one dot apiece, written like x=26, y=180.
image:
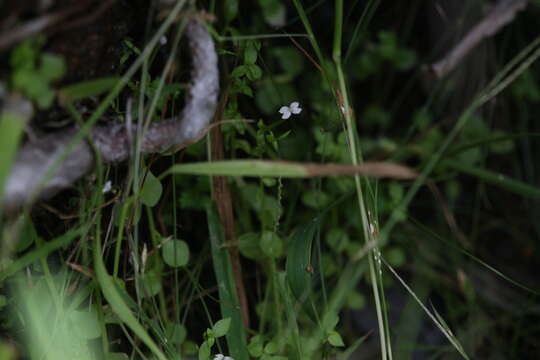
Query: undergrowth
x=216, y=251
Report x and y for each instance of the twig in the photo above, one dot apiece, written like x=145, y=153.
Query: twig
x=89, y=18
x=38, y=25
x=501, y=14
x=222, y=197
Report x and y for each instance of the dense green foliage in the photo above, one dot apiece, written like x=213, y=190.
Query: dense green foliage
x=345, y=266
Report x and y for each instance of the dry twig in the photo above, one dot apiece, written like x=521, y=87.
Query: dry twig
x=501, y=14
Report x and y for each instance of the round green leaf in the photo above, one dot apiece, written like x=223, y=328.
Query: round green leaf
x=271, y=244
x=175, y=253
x=151, y=190
x=150, y=283
x=176, y=333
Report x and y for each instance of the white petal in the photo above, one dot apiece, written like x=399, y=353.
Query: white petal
x=295, y=107
x=286, y=114
x=218, y=357
x=284, y=109
x=107, y=187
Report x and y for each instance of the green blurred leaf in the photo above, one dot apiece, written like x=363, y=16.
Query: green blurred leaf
x=249, y=246
x=271, y=244
x=86, y=323
x=251, y=51
x=52, y=67
x=299, y=266
x=274, y=12
x=204, y=351
x=151, y=190
x=289, y=59
x=175, y=253
x=11, y=129
x=335, y=339
x=87, y=89
x=176, y=333
x=230, y=8
x=315, y=199
x=150, y=283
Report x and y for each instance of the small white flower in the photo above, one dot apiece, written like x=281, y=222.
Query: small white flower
x=222, y=357
x=286, y=111
x=163, y=40
x=107, y=187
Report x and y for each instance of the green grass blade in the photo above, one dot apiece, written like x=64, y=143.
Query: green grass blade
x=118, y=305
x=434, y=317
x=41, y=252
x=11, y=129
x=290, y=169
x=86, y=89
x=496, y=179
x=229, y=303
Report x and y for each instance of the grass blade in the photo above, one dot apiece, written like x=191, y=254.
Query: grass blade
x=41, y=252
x=497, y=179
x=229, y=303
x=118, y=305
x=290, y=169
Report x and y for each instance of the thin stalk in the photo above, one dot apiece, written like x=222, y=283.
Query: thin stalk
x=356, y=158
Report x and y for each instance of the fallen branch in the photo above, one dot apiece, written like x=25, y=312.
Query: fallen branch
x=36, y=158
x=501, y=14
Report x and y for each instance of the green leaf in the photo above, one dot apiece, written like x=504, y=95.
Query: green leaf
x=248, y=244
x=204, y=351
x=11, y=128
x=52, y=67
x=273, y=12
x=335, y=339
x=151, y=190
x=221, y=328
x=250, y=54
x=289, y=59
x=255, y=346
x=176, y=333
x=271, y=348
x=230, y=10
x=175, y=253
x=229, y=303
x=86, y=324
x=315, y=199
x=253, y=72
x=150, y=283
x=86, y=89
x=299, y=267
x=271, y=244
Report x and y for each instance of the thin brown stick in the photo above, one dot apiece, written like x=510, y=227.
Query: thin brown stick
x=502, y=14
x=8, y=38
x=223, y=199
x=89, y=18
